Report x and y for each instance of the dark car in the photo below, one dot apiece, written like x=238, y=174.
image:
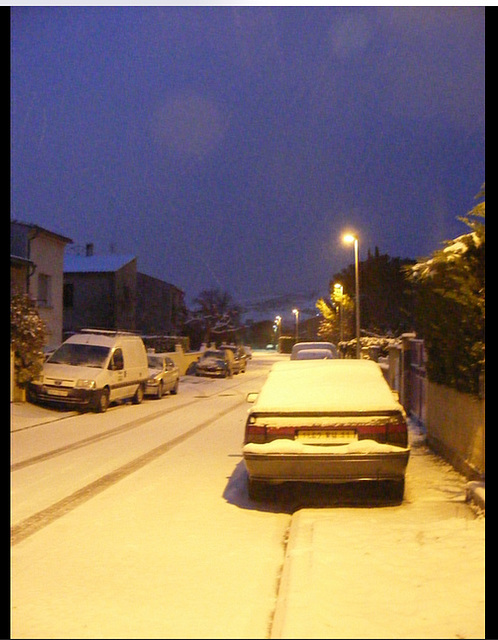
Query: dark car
x=215, y=362
x=239, y=357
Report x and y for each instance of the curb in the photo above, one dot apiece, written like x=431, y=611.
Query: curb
x=297, y=562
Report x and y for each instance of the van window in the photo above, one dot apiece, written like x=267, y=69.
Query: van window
x=116, y=363
x=88, y=355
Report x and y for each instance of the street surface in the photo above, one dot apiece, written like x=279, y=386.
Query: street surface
x=136, y=523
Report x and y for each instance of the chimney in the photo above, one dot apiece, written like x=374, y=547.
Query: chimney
x=89, y=249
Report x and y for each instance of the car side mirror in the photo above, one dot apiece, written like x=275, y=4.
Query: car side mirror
x=252, y=397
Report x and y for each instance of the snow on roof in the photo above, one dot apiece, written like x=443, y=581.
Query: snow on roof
x=325, y=386
x=95, y=264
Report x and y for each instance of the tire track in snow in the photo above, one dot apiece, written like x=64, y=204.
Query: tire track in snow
x=128, y=426
x=43, y=518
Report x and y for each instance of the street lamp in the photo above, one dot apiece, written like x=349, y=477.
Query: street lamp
x=349, y=238
x=296, y=313
x=276, y=325
x=338, y=293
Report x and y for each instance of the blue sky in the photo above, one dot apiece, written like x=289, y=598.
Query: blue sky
x=230, y=146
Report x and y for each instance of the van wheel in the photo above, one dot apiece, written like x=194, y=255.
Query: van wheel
x=103, y=401
x=139, y=395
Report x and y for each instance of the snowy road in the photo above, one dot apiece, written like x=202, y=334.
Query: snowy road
x=136, y=524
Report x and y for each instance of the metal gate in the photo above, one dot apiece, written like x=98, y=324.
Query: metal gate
x=418, y=381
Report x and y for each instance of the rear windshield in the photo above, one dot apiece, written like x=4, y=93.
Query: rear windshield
x=213, y=354
x=87, y=355
x=155, y=362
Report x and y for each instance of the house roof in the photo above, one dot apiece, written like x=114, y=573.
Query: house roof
x=38, y=229
x=96, y=264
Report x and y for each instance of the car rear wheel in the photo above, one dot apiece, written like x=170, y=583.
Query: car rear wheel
x=257, y=489
x=174, y=390
x=395, y=491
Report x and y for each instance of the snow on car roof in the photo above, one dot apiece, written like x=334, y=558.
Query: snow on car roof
x=325, y=386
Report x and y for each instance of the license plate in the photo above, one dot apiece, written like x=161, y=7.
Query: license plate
x=57, y=392
x=338, y=435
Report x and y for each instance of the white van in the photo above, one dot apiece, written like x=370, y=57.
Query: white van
x=93, y=368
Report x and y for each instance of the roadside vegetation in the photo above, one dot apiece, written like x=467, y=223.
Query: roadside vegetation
x=27, y=338
x=449, y=295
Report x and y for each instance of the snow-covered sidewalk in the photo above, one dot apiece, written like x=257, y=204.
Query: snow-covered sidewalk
x=410, y=571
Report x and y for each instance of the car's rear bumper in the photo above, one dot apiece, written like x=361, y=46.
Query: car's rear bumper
x=327, y=467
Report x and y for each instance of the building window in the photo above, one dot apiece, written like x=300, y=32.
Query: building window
x=68, y=295
x=44, y=290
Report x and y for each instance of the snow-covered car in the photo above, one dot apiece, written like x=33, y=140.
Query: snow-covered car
x=325, y=421
x=239, y=357
x=164, y=375
x=247, y=351
x=301, y=346
x=215, y=362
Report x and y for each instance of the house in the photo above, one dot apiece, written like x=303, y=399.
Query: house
x=36, y=268
x=160, y=306
x=99, y=291
x=106, y=291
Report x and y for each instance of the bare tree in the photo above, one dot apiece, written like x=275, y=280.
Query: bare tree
x=217, y=314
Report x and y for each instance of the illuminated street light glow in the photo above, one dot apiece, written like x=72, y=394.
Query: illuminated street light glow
x=339, y=292
x=296, y=313
x=276, y=326
x=349, y=238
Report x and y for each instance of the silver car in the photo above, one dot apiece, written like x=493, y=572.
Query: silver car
x=164, y=375
x=299, y=347
x=325, y=421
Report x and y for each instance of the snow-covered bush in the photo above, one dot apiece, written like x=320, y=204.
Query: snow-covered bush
x=450, y=307
x=27, y=338
x=378, y=344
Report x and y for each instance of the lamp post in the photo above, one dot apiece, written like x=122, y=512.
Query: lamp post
x=350, y=238
x=278, y=320
x=296, y=313
x=339, y=292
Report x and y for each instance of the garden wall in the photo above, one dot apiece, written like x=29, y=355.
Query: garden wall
x=456, y=430
x=184, y=359
x=454, y=421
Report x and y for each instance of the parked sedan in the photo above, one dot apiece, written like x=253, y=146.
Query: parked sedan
x=215, y=362
x=325, y=421
x=239, y=357
x=299, y=347
x=164, y=375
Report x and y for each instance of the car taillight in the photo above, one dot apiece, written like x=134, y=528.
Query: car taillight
x=397, y=434
x=255, y=433
x=259, y=434
x=272, y=433
x=389, y=431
